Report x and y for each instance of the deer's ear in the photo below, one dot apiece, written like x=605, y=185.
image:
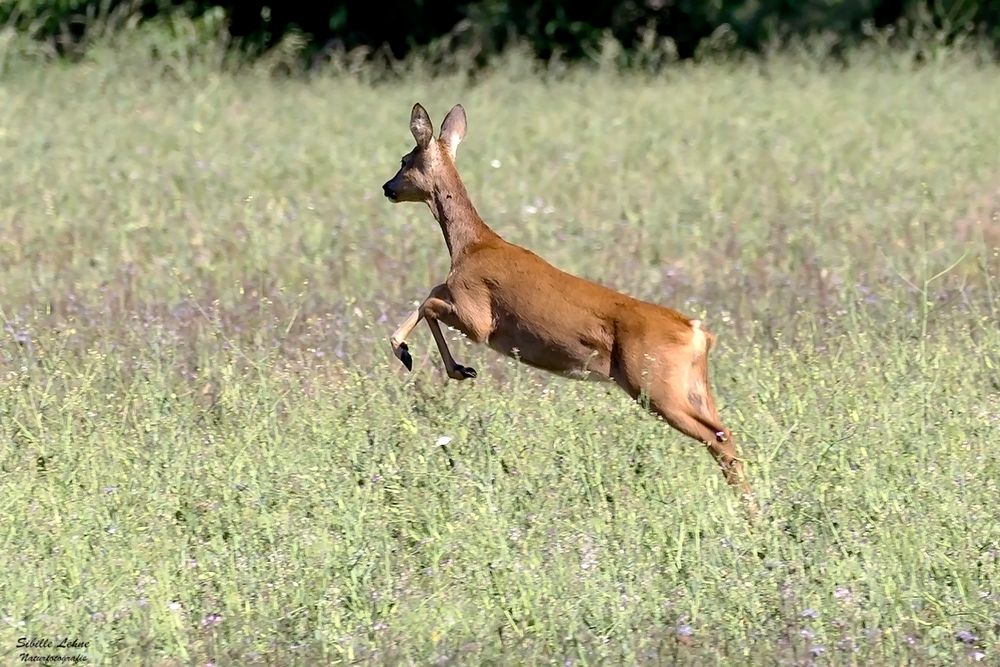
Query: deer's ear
x=420, y=126
x=453, y=129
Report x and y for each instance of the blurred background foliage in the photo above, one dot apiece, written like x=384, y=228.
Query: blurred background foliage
x=480, y=29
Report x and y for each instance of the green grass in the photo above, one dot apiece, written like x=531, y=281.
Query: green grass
x=209, y=453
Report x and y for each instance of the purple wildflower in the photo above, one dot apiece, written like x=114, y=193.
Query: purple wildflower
x=211, y=620
x=966, y=637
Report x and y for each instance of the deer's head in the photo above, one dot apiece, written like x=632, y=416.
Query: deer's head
x=431, y=160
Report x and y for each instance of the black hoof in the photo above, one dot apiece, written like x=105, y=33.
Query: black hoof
x=466, y=371
x=404, y=356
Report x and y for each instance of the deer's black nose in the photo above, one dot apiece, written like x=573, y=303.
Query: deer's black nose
x=388, y=191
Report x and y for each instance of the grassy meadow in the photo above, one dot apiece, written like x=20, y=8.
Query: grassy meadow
x=209, y=456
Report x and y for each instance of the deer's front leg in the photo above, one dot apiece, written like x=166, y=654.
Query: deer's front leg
x=398, y=339
x=433, y=309
x=435, y=306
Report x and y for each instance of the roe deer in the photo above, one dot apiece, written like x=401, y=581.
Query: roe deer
x=521, y=306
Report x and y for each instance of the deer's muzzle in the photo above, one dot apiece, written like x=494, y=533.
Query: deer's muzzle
x=390, y=194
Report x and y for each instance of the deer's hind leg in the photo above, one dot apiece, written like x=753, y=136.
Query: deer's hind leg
x=674, y=379
x=680, y=413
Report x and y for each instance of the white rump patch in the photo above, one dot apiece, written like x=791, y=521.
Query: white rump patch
x=698, y=336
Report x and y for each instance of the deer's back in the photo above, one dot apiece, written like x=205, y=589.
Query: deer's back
x=555, y=320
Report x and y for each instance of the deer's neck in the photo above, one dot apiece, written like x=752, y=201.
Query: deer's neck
x=460, y=223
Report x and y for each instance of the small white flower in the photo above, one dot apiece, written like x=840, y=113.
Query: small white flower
x=175, y=606
x=495, y=163
x=443, y=440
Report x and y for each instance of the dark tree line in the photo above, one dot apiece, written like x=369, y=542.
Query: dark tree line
x=570, y=28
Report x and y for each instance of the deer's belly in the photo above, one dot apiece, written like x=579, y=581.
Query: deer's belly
x=571, y=358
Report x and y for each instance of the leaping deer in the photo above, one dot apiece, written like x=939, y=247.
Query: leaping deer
x=523, y=307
